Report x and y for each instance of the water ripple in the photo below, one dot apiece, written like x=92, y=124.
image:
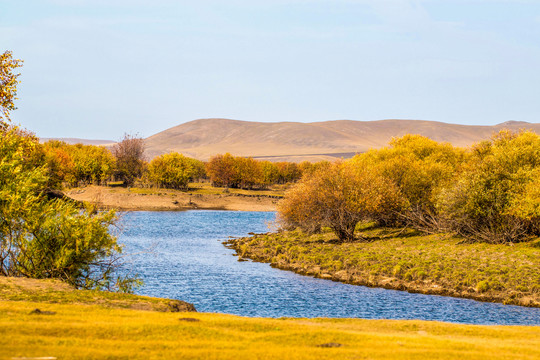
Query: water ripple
x=187, y=261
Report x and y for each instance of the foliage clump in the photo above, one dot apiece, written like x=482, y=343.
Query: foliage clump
x=339, y=197
x=174, y=170
x=129, y=155
x=226, y=170
x=44, y=238
x=497, y=198
x=489, y=192
x=8, y=84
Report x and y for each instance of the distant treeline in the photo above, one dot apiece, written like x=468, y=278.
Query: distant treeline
x=489, y=192
x=72, y=165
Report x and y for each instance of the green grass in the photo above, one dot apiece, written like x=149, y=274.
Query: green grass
x=97, y=332
x=407, y=260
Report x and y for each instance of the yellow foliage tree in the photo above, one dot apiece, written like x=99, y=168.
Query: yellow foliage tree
x=419, y=167
x=172, y=170
x=497, y=198
x=8, y=84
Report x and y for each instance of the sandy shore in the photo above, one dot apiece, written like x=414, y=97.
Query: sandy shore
x=167, y=200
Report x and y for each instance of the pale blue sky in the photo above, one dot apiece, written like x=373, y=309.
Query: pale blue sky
x=99, y=68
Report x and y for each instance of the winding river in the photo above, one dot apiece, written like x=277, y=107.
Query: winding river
x=180, y=255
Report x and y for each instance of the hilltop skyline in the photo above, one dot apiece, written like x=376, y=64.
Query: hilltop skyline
x=97, y=69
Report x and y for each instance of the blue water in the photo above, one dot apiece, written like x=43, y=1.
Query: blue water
x=180, y=255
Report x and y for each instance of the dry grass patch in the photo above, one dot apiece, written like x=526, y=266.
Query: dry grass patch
x=95, y=332
x=56, y=292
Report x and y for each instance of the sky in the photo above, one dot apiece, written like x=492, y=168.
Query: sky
x=97, y=69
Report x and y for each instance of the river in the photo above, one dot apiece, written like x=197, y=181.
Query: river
x=180, y=255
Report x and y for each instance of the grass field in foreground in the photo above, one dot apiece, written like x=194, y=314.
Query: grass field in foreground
x=97, y=332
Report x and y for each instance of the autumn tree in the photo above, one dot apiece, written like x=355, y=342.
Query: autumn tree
x=288, y=172
x=338, y=197
x=269, y=173
x=248, y=173
x=43, y=238
x=173, y=170
x=129, y=154
x=221, y=170
x=497, y=199
x=419, y=167
x=59, y=163
x=91, y=164
x=8, y=84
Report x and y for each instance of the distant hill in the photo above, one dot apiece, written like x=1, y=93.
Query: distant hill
x=293, y=141
x=80, y=141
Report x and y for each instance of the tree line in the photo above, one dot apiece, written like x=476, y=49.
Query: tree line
x=79, y=164
x=489, y=192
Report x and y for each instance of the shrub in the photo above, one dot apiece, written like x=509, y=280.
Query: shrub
x=50, y=239
x=129, y=155
x=91, y=164
x=338, y=197
x=172, y=170
x=41, y=238
x=221, y=170
x=419, y=167
x=496, y=199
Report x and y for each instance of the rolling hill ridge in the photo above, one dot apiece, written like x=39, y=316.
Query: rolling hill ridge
x=294, y=141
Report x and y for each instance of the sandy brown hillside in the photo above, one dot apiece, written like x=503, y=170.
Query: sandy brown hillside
x=294, y=141
x=81, y=141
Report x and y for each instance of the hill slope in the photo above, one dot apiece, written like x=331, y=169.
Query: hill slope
x=81, y=141
x=294, y=141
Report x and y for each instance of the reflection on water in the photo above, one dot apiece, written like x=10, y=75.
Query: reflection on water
x=189, y=262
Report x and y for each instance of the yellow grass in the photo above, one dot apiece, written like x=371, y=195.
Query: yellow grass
x=94, y=332
x=80, y=324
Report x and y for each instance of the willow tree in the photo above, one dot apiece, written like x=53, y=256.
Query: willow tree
x=43, y=238
x=420, y=168
x=173, y=170
x=8, y=84
x=339, y=197
x=497, y=198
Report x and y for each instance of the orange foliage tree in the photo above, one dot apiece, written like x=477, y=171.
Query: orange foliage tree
x=339, y=197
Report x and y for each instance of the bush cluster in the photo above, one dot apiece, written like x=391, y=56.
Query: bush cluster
x=247, y=173
x=89, y=164
x=489, y=192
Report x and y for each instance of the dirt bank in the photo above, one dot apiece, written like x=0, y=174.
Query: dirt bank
x=166, y=200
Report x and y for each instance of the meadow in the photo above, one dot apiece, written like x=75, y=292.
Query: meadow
x=68, y=326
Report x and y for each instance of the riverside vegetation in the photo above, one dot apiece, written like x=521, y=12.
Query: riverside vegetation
x=45, y=236
x=418, y=216
x=393, y=258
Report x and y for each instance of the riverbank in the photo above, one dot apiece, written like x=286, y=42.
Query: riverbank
x=66, y=328
x=50, y=291
x=406, y=260
x=199, y=196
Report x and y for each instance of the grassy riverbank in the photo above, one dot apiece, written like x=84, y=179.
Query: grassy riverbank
x=198, y=196
x=84, y=325
x=407, y=260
